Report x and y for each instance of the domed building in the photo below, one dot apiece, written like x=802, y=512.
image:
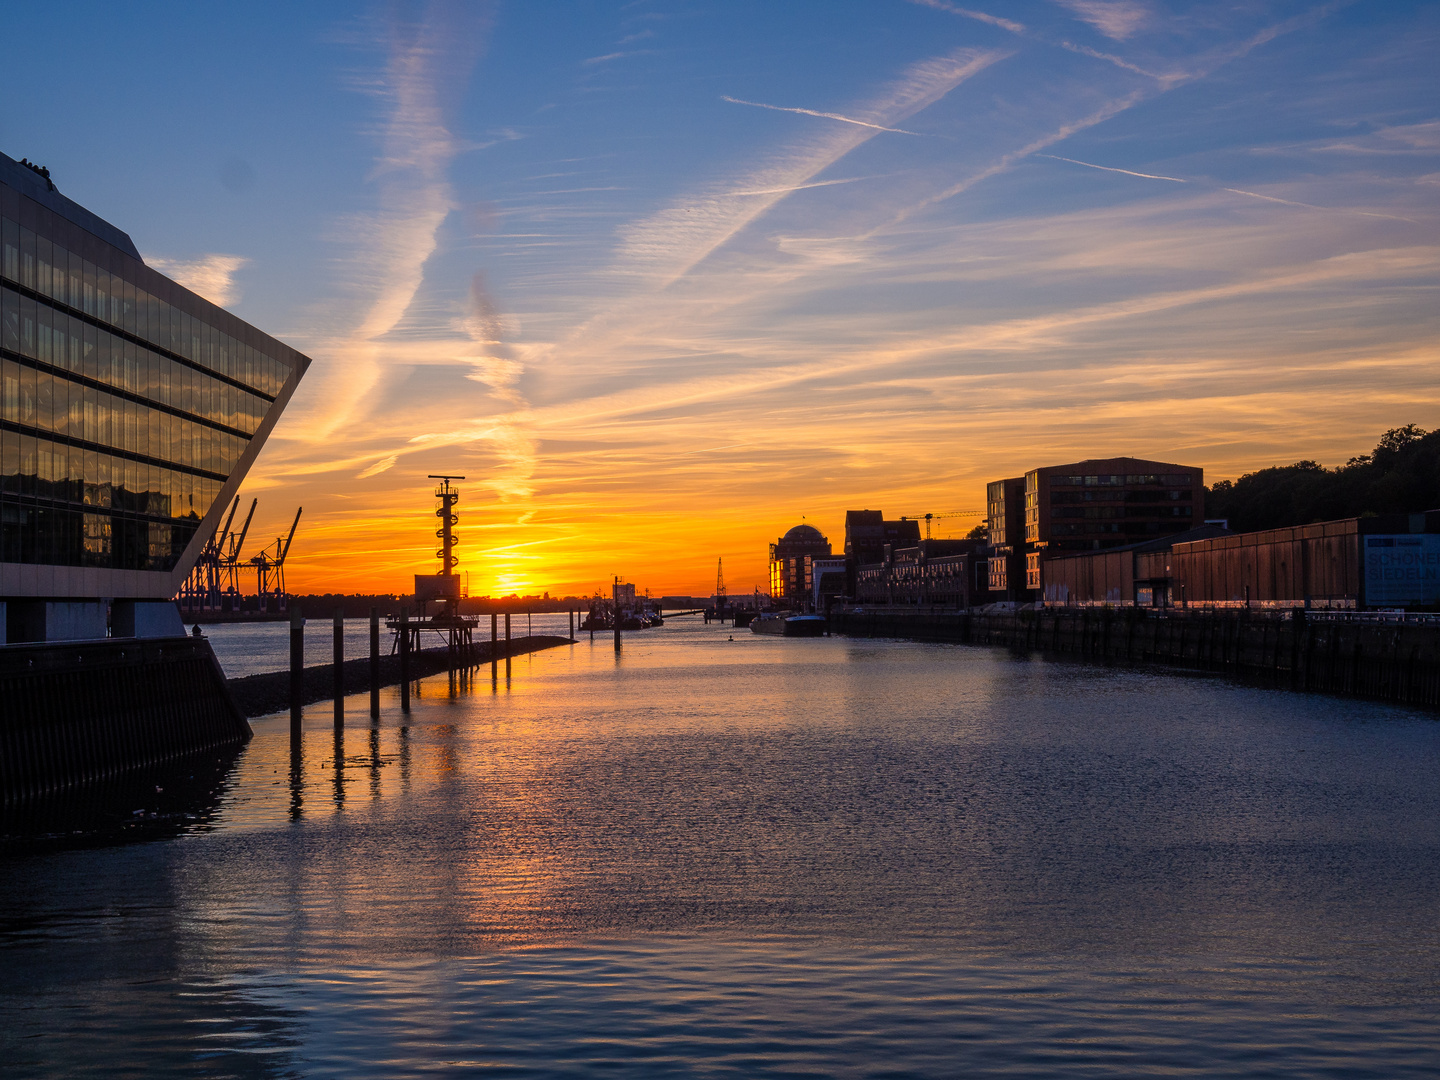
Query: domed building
x=792, y=560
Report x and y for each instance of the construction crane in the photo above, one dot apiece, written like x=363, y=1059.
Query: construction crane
x=270, y=569
x=928, y=518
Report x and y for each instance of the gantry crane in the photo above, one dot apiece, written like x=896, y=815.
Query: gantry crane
x=270, y=569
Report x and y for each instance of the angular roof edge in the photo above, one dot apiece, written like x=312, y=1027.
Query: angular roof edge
x=34, y=186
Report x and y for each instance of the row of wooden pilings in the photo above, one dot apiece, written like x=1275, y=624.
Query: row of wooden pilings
x=463, y=658
x=1389, y=660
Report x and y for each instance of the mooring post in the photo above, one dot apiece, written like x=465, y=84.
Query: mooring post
x=374, y=663
x=615, y=605
x=507, y=646
x=339, y=668
x=494, y=647
x=297, y=669
x=572, y=624
x=405, y=659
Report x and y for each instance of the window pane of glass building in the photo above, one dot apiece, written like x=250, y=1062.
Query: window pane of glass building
x=128, y=404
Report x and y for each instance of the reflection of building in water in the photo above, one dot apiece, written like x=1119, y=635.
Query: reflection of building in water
x=792, y=565
x=130, y=409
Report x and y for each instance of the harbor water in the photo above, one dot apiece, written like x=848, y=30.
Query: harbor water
x=759, y=857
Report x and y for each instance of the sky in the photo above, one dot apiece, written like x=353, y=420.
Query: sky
x=664, y=279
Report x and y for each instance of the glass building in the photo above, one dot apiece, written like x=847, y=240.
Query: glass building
x=130, y=411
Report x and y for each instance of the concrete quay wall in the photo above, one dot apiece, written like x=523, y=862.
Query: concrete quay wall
x=1390, y=661
x=82, y=711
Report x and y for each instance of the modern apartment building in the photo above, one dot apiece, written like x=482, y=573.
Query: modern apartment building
x=1005, y=518
x=1103, y=503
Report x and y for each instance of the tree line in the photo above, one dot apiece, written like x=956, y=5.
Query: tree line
x=1400, y=476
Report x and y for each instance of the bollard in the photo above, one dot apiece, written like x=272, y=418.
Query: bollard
x=374, y=663
x=405, y=659
x=507, y=646
x=339, y=667
x=297, y=669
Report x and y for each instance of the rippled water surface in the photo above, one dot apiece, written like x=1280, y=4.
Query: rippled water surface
x=764, y=857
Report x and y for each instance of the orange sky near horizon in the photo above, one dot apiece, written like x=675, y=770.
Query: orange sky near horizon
x=660, y=303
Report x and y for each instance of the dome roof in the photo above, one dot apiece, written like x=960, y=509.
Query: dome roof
x=805, y=534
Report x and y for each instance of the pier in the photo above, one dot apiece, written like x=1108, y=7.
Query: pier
x=270, y=692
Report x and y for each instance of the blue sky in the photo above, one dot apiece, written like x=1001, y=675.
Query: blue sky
x=661, y=278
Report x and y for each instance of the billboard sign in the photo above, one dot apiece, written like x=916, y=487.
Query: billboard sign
x=1402, y=570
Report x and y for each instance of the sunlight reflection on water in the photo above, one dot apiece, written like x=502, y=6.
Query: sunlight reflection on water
x=767, y=857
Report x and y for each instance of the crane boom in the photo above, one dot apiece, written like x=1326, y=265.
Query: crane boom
x=225, y=532
x=235, y=554
x=286, y=550
x=927, y=518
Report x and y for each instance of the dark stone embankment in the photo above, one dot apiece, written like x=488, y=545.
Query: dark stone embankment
x=261, y=695
x=1388, y=660
x=87, y=711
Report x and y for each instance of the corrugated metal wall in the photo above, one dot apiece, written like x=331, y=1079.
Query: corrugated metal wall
x=1279, y=566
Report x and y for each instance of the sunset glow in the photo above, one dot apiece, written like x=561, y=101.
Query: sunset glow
x=662, y=280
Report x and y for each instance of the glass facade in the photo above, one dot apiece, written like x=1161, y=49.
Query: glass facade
x=125, y=401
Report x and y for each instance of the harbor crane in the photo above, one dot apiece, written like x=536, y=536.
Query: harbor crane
x=217, y=583
x=928, y=518
x=230, y=556
x=270, y=569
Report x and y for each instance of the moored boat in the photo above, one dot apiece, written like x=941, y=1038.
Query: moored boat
x=785, y=625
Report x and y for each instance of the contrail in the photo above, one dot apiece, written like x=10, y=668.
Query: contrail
x=1312, y=206
x=799, y=187
x=826, y=115
x=1128, y=172
x=1231, y=190
x=969, y=13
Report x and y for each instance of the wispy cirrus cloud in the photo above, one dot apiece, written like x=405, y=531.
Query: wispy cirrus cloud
x=386, y=249
x=1117, y=19
x=670, y=242
x=212, y=276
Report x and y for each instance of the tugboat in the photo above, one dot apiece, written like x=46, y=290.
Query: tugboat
x=783, y=624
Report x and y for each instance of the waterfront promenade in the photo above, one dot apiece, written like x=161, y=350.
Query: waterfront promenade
x=762, y=857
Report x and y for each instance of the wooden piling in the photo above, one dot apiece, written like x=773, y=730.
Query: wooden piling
x=338, y=667
x=507, y=646
x=297, y=669
x=374, y=663
x=405, y=659
x=494, y=647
